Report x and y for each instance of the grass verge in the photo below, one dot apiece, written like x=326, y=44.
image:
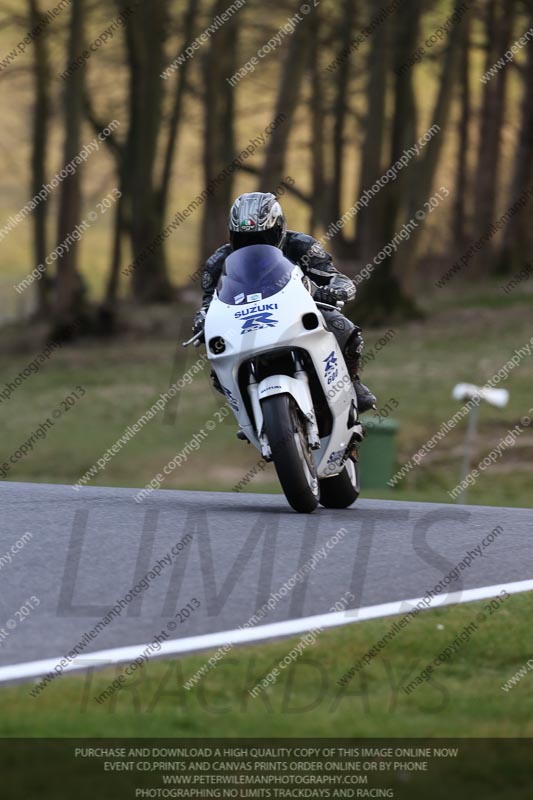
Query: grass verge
x=462, y=698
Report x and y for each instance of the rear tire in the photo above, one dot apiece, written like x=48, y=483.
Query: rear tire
x=342, y=490
x=290, y=452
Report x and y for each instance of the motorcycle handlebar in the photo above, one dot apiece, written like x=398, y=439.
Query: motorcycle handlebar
x=338, y=305
x=196, y=340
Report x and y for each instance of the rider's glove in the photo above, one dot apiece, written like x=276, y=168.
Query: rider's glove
x=310, y=285
x=325, y=294
x=199, y=321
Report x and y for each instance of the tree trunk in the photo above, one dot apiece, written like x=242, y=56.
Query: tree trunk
x=340, y=112
x=318, y=212
x=369, y=219
x=287, y=100
x=517, y=242
x=124, y=156
x=425, y=169
x=70, y=305
x=219, y=135
x=145, y=35
x=382, y=295
x=460, y=221
x=499, y=30
x=189, y=20
x=108, y=308
x=40, y=122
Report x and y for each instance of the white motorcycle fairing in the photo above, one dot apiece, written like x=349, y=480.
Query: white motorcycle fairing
x=285, y=322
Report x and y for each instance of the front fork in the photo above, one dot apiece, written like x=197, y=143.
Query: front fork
x=311, y=426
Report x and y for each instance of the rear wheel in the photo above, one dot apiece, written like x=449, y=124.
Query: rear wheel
x=292, y=457
x=342, y=490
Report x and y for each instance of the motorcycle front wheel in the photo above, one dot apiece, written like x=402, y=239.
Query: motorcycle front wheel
x=291, y=455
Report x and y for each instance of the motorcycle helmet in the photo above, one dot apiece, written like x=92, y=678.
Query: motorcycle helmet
x=257, y=218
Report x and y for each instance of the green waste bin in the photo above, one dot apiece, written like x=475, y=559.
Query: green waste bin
x=377, y=453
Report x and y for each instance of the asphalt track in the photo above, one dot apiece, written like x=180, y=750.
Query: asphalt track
x=90, y=548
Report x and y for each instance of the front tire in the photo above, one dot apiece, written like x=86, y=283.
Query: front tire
x=342, y=490
x=290, y=452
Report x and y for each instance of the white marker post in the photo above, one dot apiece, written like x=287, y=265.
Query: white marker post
x=494, y=397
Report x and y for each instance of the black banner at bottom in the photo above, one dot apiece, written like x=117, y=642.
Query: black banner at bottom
x=405, y=769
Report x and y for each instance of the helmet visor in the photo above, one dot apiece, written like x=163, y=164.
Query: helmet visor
x=246, y=238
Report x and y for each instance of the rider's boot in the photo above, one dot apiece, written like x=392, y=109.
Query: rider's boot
x=352, y=353
x=365, y=399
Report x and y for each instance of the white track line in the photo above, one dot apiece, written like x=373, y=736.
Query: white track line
x=208, y=641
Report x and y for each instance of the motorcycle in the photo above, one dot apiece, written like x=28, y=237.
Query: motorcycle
x=284, y=377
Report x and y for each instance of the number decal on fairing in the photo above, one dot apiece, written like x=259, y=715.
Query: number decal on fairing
x=331, y=371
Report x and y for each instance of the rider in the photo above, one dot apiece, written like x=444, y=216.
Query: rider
x=257, y=218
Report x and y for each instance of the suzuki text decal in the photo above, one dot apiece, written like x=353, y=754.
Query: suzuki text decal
x=246, y=312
